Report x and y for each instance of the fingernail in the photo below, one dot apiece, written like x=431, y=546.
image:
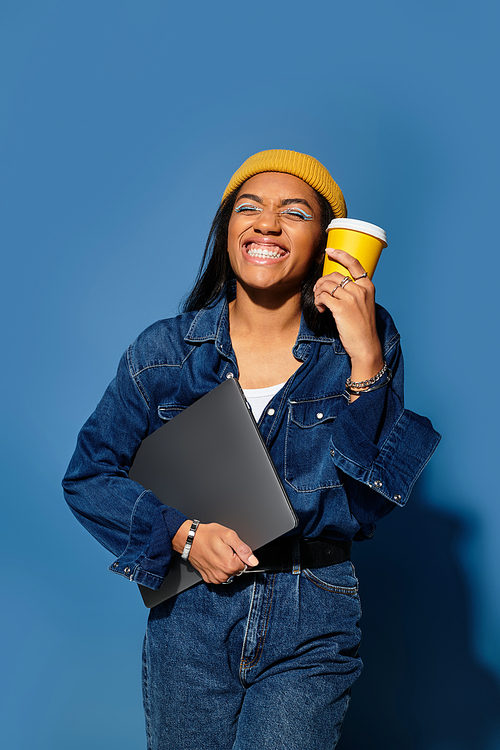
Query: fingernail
x=252, y=560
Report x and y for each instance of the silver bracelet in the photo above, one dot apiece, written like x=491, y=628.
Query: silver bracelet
x=354, y=392
x=189, y=540
x=365, y=383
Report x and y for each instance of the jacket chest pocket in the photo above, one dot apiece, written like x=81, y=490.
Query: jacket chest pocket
x=308, y=463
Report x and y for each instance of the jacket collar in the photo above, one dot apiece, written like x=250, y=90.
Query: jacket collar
x=212, y=324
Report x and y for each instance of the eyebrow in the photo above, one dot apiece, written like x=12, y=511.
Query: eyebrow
x=286, y=202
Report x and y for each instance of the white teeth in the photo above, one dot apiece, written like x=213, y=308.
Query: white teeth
x=263, y=254
x=257, y=251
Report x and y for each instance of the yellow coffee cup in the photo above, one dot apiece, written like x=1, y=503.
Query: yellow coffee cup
x=360, y=239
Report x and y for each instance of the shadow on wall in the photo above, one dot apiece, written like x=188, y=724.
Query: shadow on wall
x=422, y=687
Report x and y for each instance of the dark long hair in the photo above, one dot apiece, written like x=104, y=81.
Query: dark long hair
x=215, y=272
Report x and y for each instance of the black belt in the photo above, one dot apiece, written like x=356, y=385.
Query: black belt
x=283, y=555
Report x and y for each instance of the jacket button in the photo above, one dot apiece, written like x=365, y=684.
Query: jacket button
x=115, y=565
x=378, y=483
x=397, y=497
x=229, y=375
x=332, y=452
x=270, y=412
x=319, y=415
x=126, y=570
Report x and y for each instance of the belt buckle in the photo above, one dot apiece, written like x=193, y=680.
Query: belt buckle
x=253, y=570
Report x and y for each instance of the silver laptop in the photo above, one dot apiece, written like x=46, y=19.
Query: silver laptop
x=211, y=463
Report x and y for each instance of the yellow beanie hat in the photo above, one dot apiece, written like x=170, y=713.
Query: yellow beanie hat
x=291, y=162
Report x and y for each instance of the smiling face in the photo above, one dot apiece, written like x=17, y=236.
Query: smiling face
x=274, y=232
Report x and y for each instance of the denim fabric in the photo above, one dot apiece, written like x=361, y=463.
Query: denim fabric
x=344, y=466
x=266, y=662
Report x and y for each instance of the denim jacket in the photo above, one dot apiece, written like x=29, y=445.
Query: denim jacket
x=344, y=466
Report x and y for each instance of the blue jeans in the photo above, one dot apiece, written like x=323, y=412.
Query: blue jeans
x=264, y=662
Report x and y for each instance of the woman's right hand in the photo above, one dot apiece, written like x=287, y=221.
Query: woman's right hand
x=217, y=552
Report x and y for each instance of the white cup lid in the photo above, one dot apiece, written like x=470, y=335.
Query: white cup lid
x=359, y=226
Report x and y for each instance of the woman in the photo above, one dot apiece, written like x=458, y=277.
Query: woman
x=269, y=659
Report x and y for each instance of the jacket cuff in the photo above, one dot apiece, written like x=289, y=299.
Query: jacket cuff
x=147, y=556
x=356, y=429
x=392, y=469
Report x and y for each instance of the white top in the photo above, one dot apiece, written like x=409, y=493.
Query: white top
x=258, y=398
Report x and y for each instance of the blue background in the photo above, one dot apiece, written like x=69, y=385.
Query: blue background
x=120, y=125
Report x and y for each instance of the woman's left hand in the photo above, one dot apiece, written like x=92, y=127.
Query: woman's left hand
x=353, y=307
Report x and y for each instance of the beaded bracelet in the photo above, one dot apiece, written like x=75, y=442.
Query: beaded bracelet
x=189, y=540
x=370, y=381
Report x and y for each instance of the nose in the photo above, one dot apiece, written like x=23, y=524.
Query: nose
x=267, y=222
